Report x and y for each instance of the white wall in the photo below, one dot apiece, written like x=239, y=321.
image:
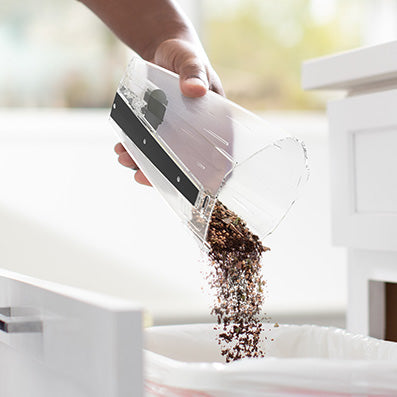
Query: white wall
x=70, y=213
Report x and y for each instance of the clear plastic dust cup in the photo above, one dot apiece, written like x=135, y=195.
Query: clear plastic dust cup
x=195, y=151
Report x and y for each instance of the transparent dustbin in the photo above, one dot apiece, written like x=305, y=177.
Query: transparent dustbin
x=308, y=360
x=197, y=150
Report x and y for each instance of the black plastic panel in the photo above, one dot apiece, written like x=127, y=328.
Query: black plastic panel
x=142, y=138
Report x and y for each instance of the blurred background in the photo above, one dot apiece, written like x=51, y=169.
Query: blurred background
x=58, y=54
x=70, y=213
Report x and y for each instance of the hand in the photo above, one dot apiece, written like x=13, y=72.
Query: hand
x=196, y=77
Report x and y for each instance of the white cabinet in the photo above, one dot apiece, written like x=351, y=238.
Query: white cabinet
x=363, y=152
x=63, y=342
x=363, y=144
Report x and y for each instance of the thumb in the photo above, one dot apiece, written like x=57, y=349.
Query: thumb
x=193, y=77
x=183, y=58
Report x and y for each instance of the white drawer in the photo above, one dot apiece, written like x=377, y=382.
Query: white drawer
x=363, y=144
x=64, y=342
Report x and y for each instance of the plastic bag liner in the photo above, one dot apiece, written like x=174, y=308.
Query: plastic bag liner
x=302, y=360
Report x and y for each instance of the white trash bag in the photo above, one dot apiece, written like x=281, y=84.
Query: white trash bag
x=306, y=360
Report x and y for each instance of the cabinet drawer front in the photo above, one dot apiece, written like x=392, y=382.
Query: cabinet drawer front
x=363, y=145
x=61, y=341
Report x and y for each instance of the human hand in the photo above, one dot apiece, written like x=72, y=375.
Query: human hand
x=196, y=76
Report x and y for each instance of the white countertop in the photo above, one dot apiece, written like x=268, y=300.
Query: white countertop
x=349, y=69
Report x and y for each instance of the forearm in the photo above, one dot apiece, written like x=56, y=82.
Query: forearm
x=144, y=24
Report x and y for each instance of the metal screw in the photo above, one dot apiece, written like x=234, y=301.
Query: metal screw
x=144, y=141
x=114, y=106
x=178, y=179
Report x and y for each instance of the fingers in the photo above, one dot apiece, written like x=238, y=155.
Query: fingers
x=192, y=87
x=193, y=78
x=119, y=148
x=140, y=178
x=216, y=84
x=183, y=58
x=126, y=160
x=194, y=84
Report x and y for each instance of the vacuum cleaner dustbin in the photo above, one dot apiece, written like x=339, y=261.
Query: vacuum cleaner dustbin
x=197, y=150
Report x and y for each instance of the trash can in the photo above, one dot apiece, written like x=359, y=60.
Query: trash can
x=305, y=360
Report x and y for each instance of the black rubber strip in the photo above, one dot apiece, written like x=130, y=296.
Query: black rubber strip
x=142, y=138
